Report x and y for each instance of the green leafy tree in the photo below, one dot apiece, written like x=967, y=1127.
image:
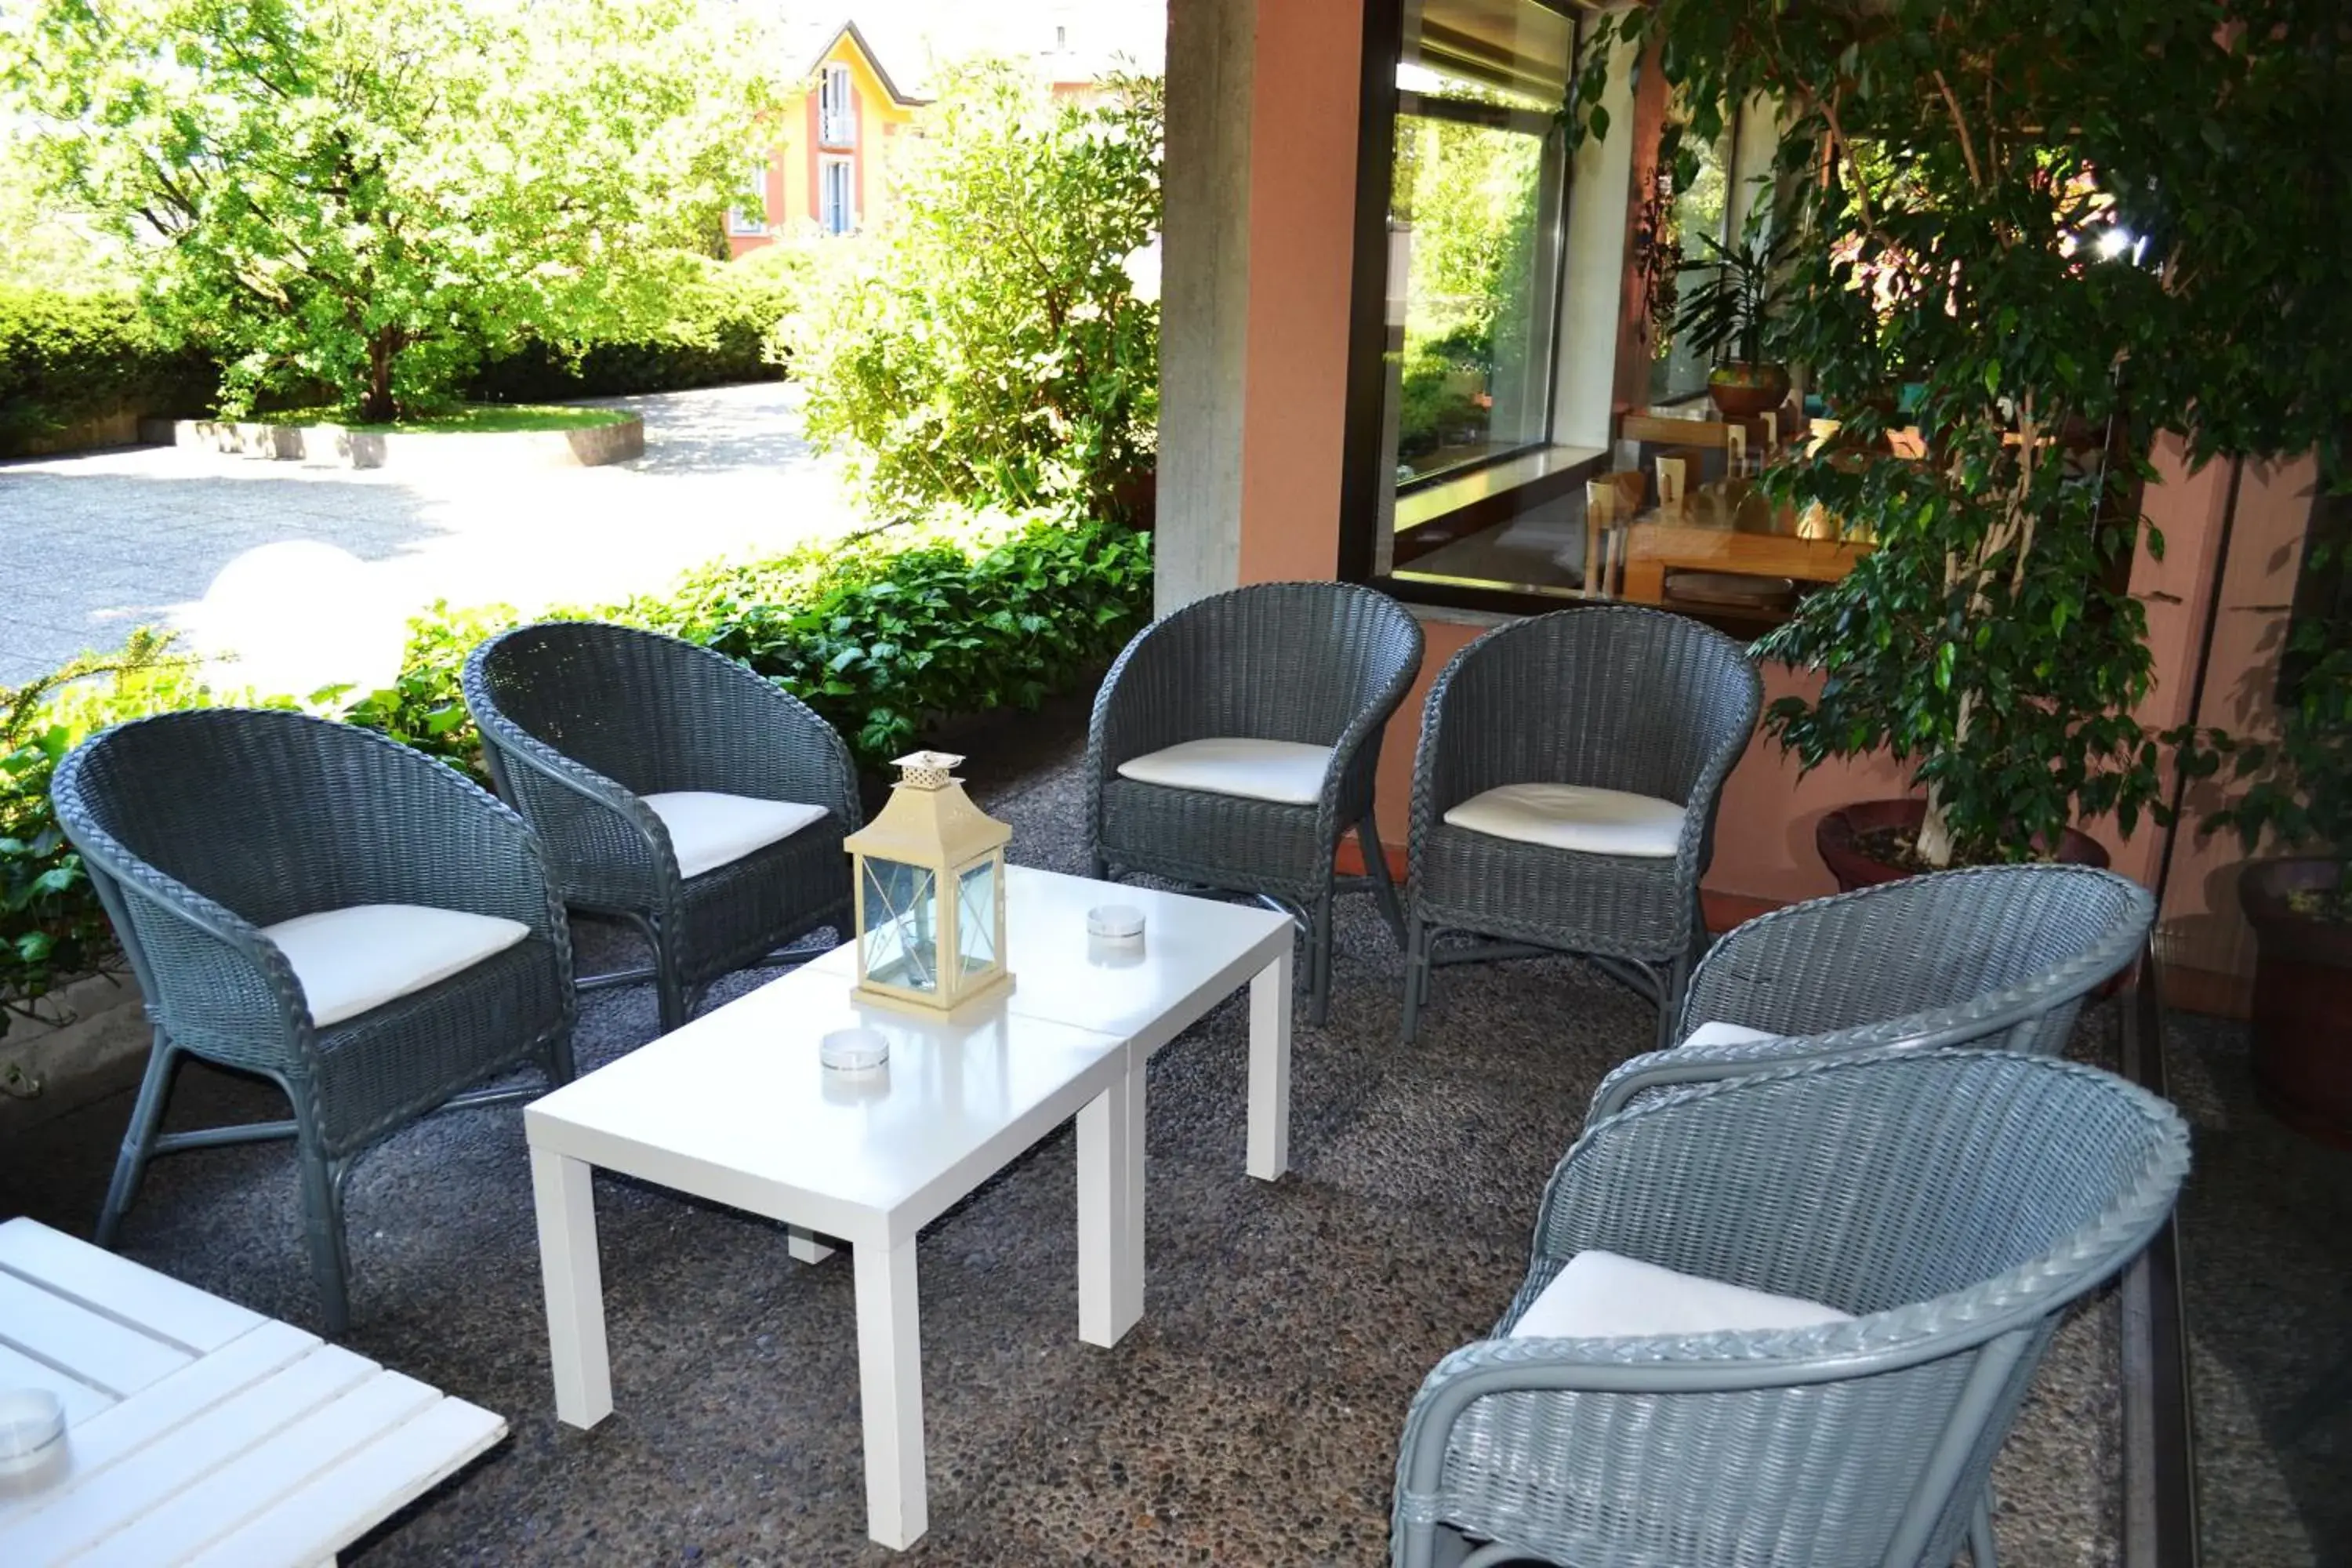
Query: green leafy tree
x=2074, y=227
x=995, y=349
x=364, y=195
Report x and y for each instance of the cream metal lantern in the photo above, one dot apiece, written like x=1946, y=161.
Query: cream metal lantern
x=929, y=871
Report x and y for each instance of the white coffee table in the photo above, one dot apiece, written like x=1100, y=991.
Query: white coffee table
x=1195, y=954
x=200, y=1433
x=736, y=1108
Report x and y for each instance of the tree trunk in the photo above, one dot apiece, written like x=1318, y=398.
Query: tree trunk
x=377, y=406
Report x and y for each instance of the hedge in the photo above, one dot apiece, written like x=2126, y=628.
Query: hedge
x=882, y=637
x=722, y=333
x=68, y=358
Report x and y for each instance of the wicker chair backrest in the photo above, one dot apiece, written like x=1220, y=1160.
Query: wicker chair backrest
x=1280, y=661
x=269, y=814
x=632, y=705
x=1612, y=696
x=1924, y=944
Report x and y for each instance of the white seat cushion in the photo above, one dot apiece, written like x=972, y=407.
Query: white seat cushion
x=1287, y=772
x=708, y=829
x=1717, y=1034
x=1571, y=817
x=1601, y=1295
x=351, y=960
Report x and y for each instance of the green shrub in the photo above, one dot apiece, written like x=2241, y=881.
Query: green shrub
x=882, y=635
x=893, y=645
x=67, y=358
x=722, y=331
x=998, y=353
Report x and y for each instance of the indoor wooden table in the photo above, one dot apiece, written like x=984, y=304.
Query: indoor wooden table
x=1719, y=530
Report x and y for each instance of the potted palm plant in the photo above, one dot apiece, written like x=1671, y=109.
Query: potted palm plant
x=2036, y=221
x=2295, y=790
x=1728, y=317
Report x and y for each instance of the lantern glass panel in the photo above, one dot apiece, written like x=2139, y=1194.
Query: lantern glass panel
x=900, y=941
x=976, y=917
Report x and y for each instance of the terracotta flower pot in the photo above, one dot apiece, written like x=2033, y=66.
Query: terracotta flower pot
x=1840, y=836
x=1743, y=391
x=2303, y=1000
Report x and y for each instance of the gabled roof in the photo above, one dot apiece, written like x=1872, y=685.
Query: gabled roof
x=849, y=30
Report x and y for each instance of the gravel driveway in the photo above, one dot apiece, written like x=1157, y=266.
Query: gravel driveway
x=99, y=544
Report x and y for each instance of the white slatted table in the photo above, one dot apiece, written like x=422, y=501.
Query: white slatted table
x=201, y=1433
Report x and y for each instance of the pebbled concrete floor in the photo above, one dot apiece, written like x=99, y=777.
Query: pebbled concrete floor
x=1250, y=1418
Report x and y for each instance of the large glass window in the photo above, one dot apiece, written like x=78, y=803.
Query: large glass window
x=1474, y=231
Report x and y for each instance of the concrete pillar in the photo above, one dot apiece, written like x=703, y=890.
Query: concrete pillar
x=1257, y=262
x=1203, y=298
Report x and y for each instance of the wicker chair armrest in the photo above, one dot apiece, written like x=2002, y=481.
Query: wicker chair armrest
x=1444, y=773
x=1355, y=754
x=1725, y=1362
x=204, y=968
x=1140, y=707
x=1706, y=791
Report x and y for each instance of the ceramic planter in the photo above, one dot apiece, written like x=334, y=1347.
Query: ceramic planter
x=2303, y=1000
x=1742, y=390
x=1840, y=836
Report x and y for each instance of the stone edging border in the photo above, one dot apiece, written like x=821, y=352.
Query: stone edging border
x=415, y=451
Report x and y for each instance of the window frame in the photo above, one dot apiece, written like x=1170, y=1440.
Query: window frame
x=1365, y=404
x=753, y=199
x=827, y=165
x=1495, y=117
x=836, y=106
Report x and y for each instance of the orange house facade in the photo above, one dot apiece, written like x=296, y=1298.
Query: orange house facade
x=828, y=172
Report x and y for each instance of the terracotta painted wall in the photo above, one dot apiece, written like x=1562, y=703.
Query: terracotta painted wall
x=2201, y=933
x=1301, y=263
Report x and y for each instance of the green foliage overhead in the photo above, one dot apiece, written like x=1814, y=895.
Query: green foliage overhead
x=2075, y=226
x=66, y=358
x=996, y=351
x=361, y=196
x=884, y=637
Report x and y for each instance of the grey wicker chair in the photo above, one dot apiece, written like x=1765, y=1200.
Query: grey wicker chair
x=581, y=721
x=1319, y=664
x=1605, y=697
x=1954, y=1201
x=198, y=829
x=1995, y=955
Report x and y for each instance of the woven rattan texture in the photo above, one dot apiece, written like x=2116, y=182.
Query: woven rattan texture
x=1955, y=1201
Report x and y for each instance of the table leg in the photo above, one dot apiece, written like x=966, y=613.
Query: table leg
x=891, y=1392
x=575, y=1288
x=802, y=1244
x=1110, y=1210
x=1645, y=583
x=1269, y=1071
